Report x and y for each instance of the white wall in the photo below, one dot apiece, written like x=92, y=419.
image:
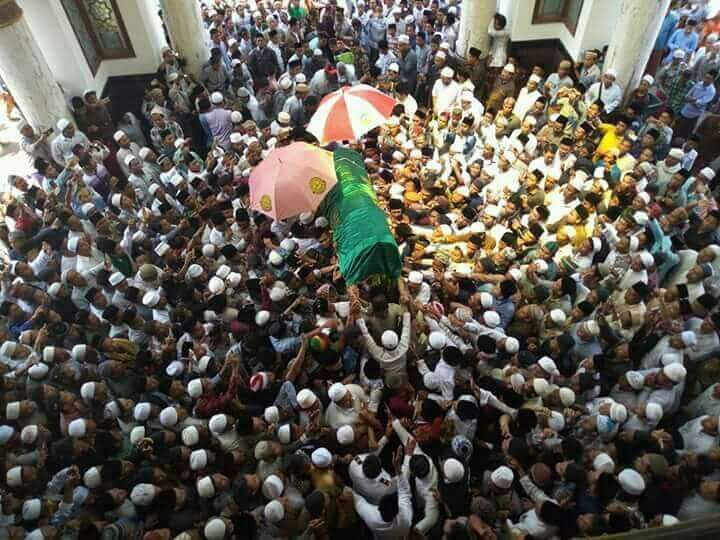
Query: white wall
x=595, y=25
x=51, y=29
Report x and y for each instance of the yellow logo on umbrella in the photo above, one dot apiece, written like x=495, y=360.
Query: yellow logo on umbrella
x=364, y=119
x=266, y=203
x=317, y=185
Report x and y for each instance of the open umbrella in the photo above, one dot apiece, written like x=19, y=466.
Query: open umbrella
x=291, y=180
x=347, y=114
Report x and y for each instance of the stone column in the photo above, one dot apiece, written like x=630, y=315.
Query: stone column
x=633, y=38
x=25, y=71
x=475, y=17
x=187, y=32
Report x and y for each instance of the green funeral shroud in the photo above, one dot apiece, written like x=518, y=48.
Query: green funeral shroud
x=365, y=246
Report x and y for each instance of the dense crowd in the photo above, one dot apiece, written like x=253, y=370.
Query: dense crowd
x=178, y=365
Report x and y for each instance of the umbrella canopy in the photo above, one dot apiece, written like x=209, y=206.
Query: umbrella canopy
x=347, y=114
x=291, y=180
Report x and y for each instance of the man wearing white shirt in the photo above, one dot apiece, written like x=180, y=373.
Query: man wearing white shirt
x=67, y=139
x=606, y=91
x=445, y=91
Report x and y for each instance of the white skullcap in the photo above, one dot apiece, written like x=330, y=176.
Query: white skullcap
x=389, y=339
x=592, y=327
x=491, y=319
x=635, y=379
x=517, y=381
x=284, y=434
x=512, y=345
x=116, y=278
x=502, y=477
x=236, y=138
x=48, y=354
x=404, y=39
x=288, y=244
x=708, y=173
x=415, y=277
x=218, y=423
x=278, y=293
x=321, y=458
x=216, y=97
x=275, y=258
x=689, y=338
x=137, y=434
x=92, y=477
x=649, y=79
x=205, y=487
x=29, y=434
x=653, y=411
x=558, y=316
x=142, y=411
x=306, y=398
x=437, y=340
x=272, y=487
x=54, y=289
x=440, y=54
x=486, y=300
x=234, y=279
x=611, y=72
x=678, y=53
x=38, y=371
x=556, y=422
x=430, y=381
x=453, y=471
x=144, y=152
x=72, y=244
x=175, y=368
x=8, y=348
x=151, y=298
x=618, y=412
x=676, y=153
x=262, y=318
x=12, y=410
x=447, y=72
x=337, y=391
x=195, y=388
x=194, y=271
x=668, y=520
x=321, y=222
x=603, y=463
x=675, y=372
x=548, y=365
x=274, y=512
x=272, y=414
x=631, y=481
x=236, y=117
x=198, y=460
x=395, y=67
x=31, y=509
x=142, y=494
x=87, y=390
x=190, y=436
x=14, y=476
x=169, y=417
x=510, y=68
x=5, y=433
x=215, y=529
x=345, y=435
x=119, y=134
x=567, y=397
x=540, y=386
x=216, y=285
x=62, y=124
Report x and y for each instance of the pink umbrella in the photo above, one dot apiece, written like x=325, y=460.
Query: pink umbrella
x=291, y=180
x=347, y=114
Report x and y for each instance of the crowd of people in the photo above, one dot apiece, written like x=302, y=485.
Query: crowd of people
x=177, y=365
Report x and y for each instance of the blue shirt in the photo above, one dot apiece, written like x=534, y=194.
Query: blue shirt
x=666, y=29
x=506, y=309
x=680, y=40
x=703, y=95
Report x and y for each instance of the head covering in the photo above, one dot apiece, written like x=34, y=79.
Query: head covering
x=502, y=477
x=321, y=458
x=453, y=471
x=631, y=481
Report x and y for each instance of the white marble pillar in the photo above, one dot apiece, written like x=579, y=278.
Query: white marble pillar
x=475, y=17
x=633, y=38
x=188, y=35
x=26, y=72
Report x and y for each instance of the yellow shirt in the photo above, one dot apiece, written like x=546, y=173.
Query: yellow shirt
x=609, y=140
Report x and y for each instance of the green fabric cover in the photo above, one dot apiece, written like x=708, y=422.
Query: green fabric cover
x=363, y=241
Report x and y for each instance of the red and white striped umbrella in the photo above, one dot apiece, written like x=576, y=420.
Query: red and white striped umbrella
x=347, y=114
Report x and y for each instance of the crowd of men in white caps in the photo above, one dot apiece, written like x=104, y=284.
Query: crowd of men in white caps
x=177, y=365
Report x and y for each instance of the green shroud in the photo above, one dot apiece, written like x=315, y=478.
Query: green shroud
x=363, y=241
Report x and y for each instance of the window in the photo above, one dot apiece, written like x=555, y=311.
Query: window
x=99, y=29
x=555, y=11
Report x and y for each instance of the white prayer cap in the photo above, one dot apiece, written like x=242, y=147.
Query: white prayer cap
x=223, y=271
x=262, y=318
x=492, y=210
x=194, y=271
x=676, y=153
x=404, y=39
x=394, y=67
x=603, y=463
x=534, y=78
x=235, y=137
x=137, y=434
x=215, y=529
x=558, y=316
x=218, y=423
x=38, y=371
x=277, y=293
x=29, y=434
x=111, y=409
x=389, y=339
x=142, y=494
x=618, y=412
x=62, y=124
x=198, y=460
x=653, y=411
x=415, y=277
x=440, y=54
x=517, y=381
x=491, y=319
x=675, y=372
x=119, y=134
x=233, y=279
x=512, y=345
x=284, y=434
x=708, y=173
x=548, y=365
x=205, y=487
x=689, y=338
x=306, y=398
x=12, y=410
x=592, y=328
x=648, y=79
x=635, y=379
x=72, y=244
x=5, y=433
x=87, y=390
x=540, y=386
x=611, y=72
x=556, y=422
x=321, y=458
x=151, y=298
x=116, y=278
x=453, y=471
x=631, y=481
x=216, y=97
x=288, y=244
x=14, y=476
x=169, y=416
x=510, y=68
x=272, y=487
x=668, y=520
x=54, y=289
x=31, y=509
x=274, y=512
x=447, y=72
x=486, y=300
x=678, y=53
x=272, y=414
x=216, y=285
x=116, y=199
x=195, y=388
x=142, y=411
x=502, y=477
x=175, y=368
x=567, y=396
x=321, y=222
x=337, y=391
x=144, y=152
x=430, y=381
x=275, y=258
x=190, y=436
x=437, y=340
x=345, y=435
x=8, y=348
x=92, y=477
